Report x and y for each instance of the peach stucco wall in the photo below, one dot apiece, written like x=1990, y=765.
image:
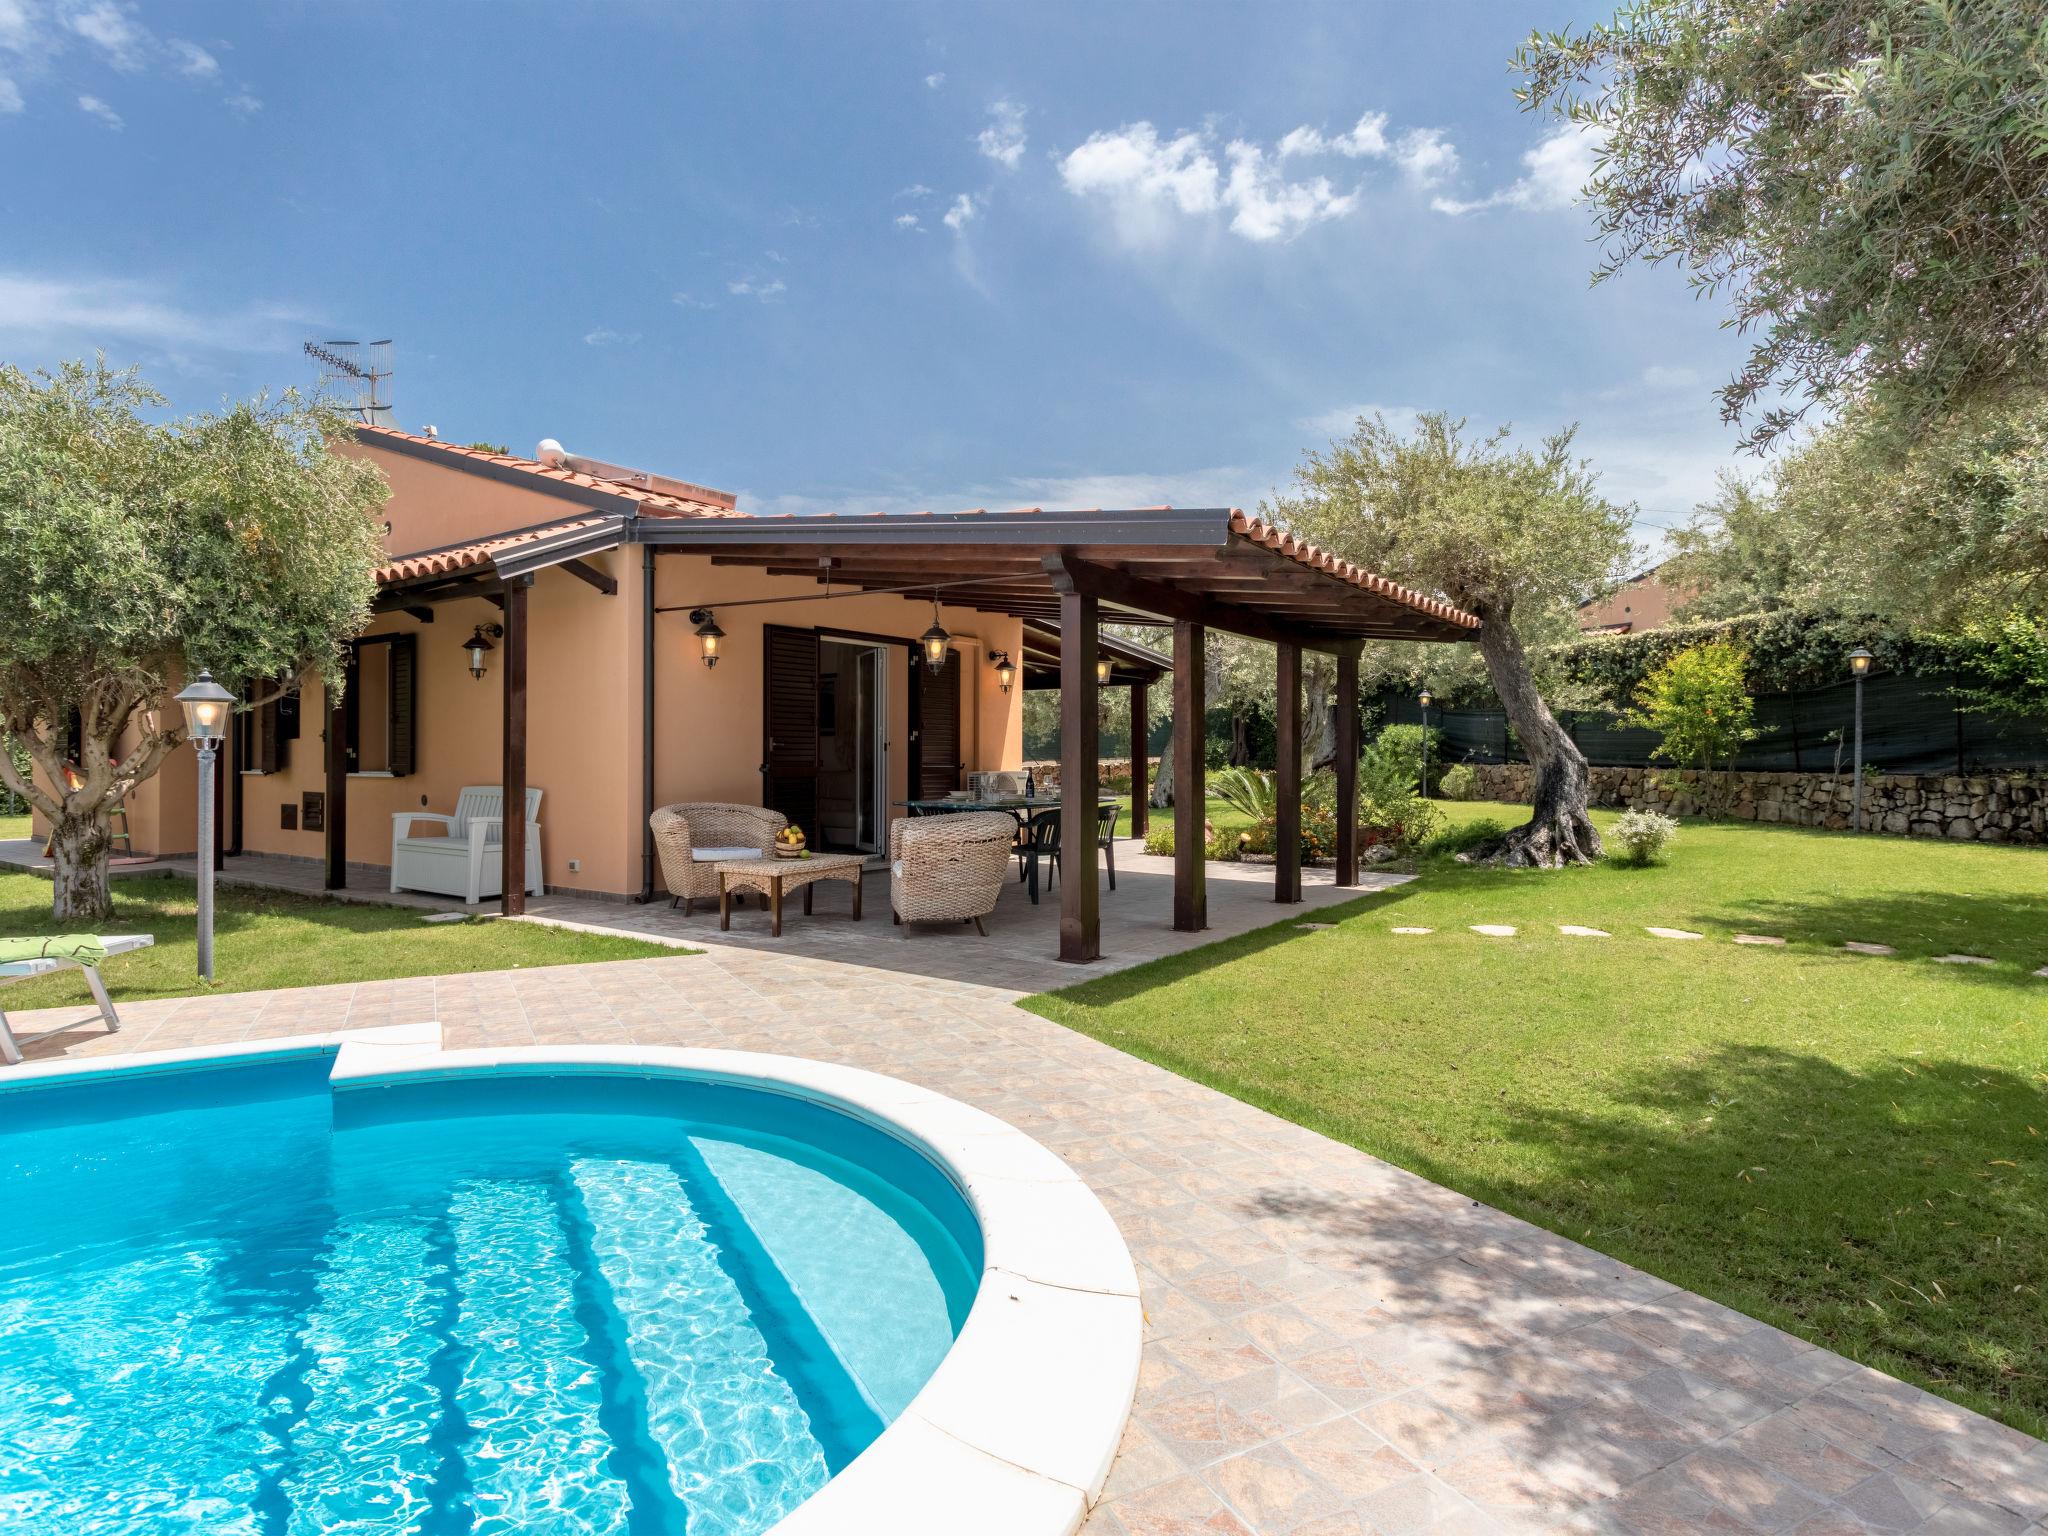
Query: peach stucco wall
x=584, y=697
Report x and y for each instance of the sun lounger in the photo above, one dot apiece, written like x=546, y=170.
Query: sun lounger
x=43, y=964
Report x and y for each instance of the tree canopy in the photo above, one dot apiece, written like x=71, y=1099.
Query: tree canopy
x=139, y=551
x=1866, y=181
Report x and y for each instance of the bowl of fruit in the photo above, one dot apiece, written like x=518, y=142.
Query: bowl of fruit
x=789, y=844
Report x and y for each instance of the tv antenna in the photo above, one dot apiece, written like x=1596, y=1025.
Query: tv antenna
x=362, y=369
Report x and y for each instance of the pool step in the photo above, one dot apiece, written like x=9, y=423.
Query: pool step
x=536, y=1453
x=741, y=1452
x=362, y=1454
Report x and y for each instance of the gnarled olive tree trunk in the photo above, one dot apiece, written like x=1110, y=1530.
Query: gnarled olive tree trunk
x=79, y=846
x=1161, y=796
x=1558, y=831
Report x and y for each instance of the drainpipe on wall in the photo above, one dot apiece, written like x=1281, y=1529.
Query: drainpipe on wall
x=646, y=722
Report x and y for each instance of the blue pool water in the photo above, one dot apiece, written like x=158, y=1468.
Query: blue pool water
x=235, y=1303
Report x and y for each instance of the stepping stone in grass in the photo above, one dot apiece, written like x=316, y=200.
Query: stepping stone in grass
x=1964, y=960
x=445, y=917
x=1429, y=930
x=1494, y=930
x=1758, y=938
x=1674, y=933
x=1583, y=933
x=1313, y=927
x=2043, y=972
x=1856, y=947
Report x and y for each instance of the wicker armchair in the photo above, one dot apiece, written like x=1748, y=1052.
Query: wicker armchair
x=949, y=869
x=693, y=835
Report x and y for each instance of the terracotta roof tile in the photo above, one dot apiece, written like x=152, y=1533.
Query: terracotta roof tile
x=652, y=503
x=459, y=558
x=1272, y=536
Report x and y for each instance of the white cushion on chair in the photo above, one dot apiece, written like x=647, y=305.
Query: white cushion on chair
x=721, y=855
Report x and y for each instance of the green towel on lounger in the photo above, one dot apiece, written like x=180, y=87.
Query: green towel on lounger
x=84, y=948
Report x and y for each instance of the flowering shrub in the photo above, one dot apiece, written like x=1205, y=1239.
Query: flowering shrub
x=1639, y=837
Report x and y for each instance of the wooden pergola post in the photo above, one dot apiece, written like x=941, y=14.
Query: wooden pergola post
x=334, y=813
x=1140, y=768
x=512, y=829
x=1347, y=766
x=1190, y=797
x=1080, y=777
x=1287, y=781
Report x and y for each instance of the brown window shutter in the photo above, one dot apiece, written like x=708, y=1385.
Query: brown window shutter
x=265, y=755
x=404, y=703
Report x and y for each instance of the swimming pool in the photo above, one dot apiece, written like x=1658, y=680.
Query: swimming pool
x=567, y=1299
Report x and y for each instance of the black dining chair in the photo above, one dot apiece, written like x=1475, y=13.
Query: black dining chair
x=1040, y=839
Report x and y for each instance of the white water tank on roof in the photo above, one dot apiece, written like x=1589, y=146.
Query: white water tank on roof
x=551, y=453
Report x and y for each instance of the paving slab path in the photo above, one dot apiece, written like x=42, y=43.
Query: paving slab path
x=1334, y=1346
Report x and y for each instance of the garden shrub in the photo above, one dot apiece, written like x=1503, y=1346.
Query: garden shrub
x=1699, y=703
x=1405, y=741
x=1459, y=782
x=1639, y=837
x=1456, y=839
x=1159, y=840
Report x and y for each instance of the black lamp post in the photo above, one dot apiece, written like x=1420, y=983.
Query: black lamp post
x=207, y=706
x=1425, y=699
x=1859, y=668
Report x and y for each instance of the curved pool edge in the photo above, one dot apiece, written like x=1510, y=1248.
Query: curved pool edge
x=1015, y=1432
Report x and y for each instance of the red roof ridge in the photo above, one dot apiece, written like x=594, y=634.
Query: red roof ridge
x=652, y=503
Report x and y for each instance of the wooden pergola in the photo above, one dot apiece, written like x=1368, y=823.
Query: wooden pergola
x=1064, y=574
x=1131, y=667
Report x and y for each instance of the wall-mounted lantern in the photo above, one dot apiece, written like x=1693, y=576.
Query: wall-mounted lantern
x=1102, y=670
x=708, y=634
x=1006, y=670
x=479, y=648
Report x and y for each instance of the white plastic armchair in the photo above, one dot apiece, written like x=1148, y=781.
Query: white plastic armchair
x=467, y=860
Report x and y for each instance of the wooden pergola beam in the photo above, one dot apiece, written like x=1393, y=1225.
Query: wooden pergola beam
x=1347, y=766
x=512, y=826
x=1106, y=584
x=1190, y=801
x=1080, y=780
x=1287, y=775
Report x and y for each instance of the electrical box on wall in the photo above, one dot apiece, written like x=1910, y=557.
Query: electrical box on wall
x=313, y=810
x=288, y=817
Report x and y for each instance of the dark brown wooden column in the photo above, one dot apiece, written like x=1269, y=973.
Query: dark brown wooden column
x=334, y=812
x=1347, y=766
x=512, y=831
x=1141, y=821
x=1080, y=778
x=1287, y=780
x=1190, y=797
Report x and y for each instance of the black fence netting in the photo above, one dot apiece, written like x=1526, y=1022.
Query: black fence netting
x=1910, y=725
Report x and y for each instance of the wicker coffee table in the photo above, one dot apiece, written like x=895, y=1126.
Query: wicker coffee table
x=772, y=876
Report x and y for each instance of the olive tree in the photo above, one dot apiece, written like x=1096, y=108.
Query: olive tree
x=1863, y=181
x=1510, y=534
x=139, y=551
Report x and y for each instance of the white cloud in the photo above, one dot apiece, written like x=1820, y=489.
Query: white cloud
x=915, y=190
x=10, y=97
x=1145, y=181
x=110, y=28
x=605, y=336
x=48, y=312
x=909, y=221
x=935, y=79
x=191, y=60
x=962, y=213
x=244, y=104
x=754, y=288
x=1003, y=139
x=1426, y=157
x=1554, y=174
x=1366, y=140
x=17, y=30
x=691, y=301
x=1342, y=421
x=92, y=106
x=1231, y=485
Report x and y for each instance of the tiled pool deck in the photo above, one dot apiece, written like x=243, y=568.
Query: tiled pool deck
x=1333, y=1346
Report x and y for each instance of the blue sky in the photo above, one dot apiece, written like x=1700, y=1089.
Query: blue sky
x=879, y=256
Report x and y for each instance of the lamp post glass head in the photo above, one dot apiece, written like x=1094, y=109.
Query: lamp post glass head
x=935, y=640
x=1427, y=698
x=206, y=706
x=1859, y=661
x=708, y=635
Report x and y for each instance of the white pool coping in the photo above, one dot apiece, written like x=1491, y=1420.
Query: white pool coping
x=1015, y=1432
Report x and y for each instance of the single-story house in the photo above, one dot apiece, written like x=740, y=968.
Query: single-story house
x=619, y=640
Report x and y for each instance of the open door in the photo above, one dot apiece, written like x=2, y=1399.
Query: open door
x=935, y=760
x=789, y=717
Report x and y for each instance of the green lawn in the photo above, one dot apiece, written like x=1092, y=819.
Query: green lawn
x=1852, y=1148
x=12, y=827
x=270, y=939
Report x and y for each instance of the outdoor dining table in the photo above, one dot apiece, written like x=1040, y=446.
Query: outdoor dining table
x=1016, y=805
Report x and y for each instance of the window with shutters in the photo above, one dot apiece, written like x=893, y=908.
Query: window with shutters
x=263, y=734
x=382, y=705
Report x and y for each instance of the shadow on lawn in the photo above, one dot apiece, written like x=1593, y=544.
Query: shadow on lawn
x=2010, y=926
x=1898, y=1213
